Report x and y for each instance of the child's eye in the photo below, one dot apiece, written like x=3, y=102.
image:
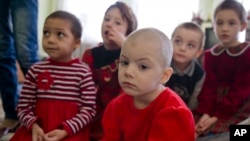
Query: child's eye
x=46, y=33
x=124, y=63
x=232, y=23
x=106, y=19
x=219, y=23
x=60, y=34
x=177, y=41
x=118, y=23
x=191, y=46
x=143, y=67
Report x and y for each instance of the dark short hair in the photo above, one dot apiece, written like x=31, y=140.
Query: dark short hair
x=232, y=5
x=127, y=14
x=76, y=27
x=192, y=26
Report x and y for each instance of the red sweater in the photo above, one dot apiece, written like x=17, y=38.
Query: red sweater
x=166, y=119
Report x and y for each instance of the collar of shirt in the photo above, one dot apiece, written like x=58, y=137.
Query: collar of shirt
x=188, y=71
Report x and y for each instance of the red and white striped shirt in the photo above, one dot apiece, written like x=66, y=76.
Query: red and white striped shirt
x=70, y=81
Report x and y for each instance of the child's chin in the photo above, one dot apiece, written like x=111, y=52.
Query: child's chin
x=128, y=92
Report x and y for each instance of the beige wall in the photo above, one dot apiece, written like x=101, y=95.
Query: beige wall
x=48, y=6
x=44, y=9
x=206, y=8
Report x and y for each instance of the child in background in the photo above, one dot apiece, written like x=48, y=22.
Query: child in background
x=187, y=79
x=57, y=101
x=147, y=110
x=119, y=21
x=224, y=98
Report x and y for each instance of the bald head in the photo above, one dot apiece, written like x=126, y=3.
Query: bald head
x=155, y=38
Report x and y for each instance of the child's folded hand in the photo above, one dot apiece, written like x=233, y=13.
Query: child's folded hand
x=37, y=132
x=55, y=135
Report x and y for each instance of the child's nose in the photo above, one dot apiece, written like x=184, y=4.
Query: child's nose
x=183, y=47
x=51, y=39
x=225, y=27
x=128, y=71
x=108, y=24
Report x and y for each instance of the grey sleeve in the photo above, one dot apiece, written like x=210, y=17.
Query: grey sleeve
x=193, y=102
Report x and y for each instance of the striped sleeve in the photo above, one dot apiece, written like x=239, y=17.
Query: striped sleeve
x=27, y=100
x=88, y=105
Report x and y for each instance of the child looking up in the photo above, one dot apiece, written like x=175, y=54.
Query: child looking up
x=226, y=90
x=57, y=101
x=187, y=79
x=147, y=110
x=118, y=22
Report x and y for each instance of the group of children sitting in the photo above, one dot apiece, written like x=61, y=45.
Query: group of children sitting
x=138, y=85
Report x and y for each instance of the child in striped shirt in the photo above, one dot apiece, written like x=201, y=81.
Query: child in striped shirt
x=57, y=101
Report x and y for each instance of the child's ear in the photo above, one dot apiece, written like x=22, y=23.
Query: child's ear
x=168, y=71
x=243, y=26
x=78, y=43
x=199, y=52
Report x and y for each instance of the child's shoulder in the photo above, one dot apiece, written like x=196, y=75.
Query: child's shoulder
x=36, y=67
x=196, y=68
x=49, y=64
x=217, y=49
x=98, y=49
x=173, y=103
x=91, y=51
x=172, y=99
x=168, y=98
x=41, y=63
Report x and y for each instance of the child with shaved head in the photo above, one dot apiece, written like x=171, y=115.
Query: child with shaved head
x=147, y=110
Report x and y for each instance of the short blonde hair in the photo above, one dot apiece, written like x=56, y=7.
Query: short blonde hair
x=154, y=35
